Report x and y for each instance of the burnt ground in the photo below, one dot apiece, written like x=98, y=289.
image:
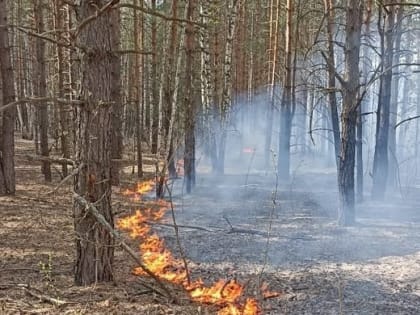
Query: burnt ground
x=293, y=244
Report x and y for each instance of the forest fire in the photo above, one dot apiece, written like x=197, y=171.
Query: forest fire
x=160, y=261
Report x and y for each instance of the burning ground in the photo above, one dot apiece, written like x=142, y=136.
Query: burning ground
x=316, y=267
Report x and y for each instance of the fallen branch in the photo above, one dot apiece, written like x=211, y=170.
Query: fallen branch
x=247, y=231
x=193, y=227
x=262, y=233
x=100, y=218
x=244, y=231
x=44, y=298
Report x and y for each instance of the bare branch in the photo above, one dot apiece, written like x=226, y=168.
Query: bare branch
x=406, y=120
x=40, y=100
x=157, y=14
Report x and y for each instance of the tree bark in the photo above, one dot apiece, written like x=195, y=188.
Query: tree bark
x=274, y=18
x=332, y=99
x=155, y=80
x=394, y=104
x=283, y=159
x=117, y=109
x=226, y=102
x=94, y=245
x=346, y=213
x=7, y=144
x=41, y=84
x=381, y=159
x=189, y=120
x=138, y=75
x=61, y=69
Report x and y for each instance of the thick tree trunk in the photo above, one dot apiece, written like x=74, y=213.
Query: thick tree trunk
x=346, y=211
x=381, y=159
x=94, y=245
x=7, y=144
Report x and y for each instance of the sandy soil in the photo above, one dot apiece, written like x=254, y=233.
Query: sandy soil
x=286, y=237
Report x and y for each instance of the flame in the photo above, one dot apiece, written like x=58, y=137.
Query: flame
x=251, y=307
x=160, y=261
x=141, y=189
x=220, y=293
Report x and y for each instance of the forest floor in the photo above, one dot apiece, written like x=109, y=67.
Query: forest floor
x=255, y=231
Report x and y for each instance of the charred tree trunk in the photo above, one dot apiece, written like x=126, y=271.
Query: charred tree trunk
x=346, y=212
x=94, y=245
x=381, y=159
x=7, y=141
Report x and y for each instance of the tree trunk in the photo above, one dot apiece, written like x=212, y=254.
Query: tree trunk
x=155, y=80
x=117, y=109
x=272, y=79
x=138, y=75
x=207, y=100
x=7, y=144
x=283, y=160
x=94, y=245
x=346, y=213
x=61, y=69
x=395, y=85
x=41, y=84
x=362, y=107
x=381, y=160
x=189, y=120
x=226, y=101
x=332, y=99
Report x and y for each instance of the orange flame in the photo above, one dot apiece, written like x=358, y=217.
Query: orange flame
x=160, y=261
